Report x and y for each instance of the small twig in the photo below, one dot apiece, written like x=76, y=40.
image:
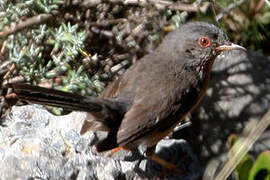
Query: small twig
x=259, y=6
x=12, y=67
x=17, y=79
x=182, y=126
x=29, y=22
x=119, y=66
x=107, y=22
x=255, y=7
x=4, y=67
x=39, y=19
x=159, y=4
x=3, y=48
x=228, y=9
x=213, y=9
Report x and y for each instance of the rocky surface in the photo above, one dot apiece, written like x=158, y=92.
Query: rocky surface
x=38, y=145
x=35, y=144
x=239, y=93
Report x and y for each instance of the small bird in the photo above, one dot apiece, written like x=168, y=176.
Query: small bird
x=154, y=95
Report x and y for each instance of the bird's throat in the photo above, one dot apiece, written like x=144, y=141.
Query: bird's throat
x=204, y=74
x=207, y=66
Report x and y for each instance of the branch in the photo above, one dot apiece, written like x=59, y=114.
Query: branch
x=35, y=20
x=228, y=9
x=159, y=4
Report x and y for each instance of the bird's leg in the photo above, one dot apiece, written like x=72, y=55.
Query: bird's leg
x=115, y=150
x=150, y=152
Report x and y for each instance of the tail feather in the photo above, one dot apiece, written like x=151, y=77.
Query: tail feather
x=108, y=143
x=68, y=101
x=105, y=113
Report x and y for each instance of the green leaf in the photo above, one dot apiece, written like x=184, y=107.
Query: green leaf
x=231, y=140
x=261, y=168
x=243, y=168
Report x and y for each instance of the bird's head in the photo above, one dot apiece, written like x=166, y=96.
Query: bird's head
x=199, y=43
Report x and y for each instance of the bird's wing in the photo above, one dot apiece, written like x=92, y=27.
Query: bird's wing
x=142, y=118
x=160, y=110
x=149, y=113
x=133, y=75
x=92, y=122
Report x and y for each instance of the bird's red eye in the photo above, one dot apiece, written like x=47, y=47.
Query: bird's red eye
x=204, y=42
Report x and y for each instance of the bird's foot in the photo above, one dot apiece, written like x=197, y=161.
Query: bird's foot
x=115, y=150
x=170, y=167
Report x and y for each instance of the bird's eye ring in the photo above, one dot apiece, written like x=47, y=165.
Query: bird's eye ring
x=204, y=42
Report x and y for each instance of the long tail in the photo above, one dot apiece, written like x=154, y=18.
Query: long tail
x=69, y=101
x=107, y=113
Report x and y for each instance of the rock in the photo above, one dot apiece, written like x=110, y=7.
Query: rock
x=177, y=152
x=38, y=145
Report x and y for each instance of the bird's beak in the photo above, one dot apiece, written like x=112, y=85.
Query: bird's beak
x=230, y=46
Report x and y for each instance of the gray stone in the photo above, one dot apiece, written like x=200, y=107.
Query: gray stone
x=38, y=145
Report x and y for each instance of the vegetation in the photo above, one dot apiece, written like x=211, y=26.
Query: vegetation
x=81, y=46
x=251, y=168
